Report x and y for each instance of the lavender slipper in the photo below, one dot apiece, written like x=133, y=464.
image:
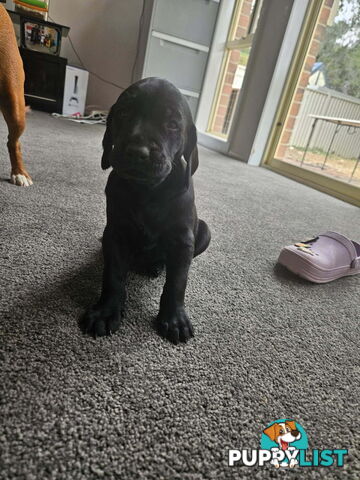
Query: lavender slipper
x=322, y=259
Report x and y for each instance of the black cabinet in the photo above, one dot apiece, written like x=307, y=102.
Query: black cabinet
x=44, y=80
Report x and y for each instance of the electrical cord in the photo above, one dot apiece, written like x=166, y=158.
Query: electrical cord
x=136, y=56
x=93, y=73
x=94, y=117
x=83, y=65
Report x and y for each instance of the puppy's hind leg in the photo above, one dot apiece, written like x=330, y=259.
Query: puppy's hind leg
x=13, y=108
x=202, y=239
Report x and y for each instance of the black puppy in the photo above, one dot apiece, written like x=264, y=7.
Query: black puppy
x=150, y=142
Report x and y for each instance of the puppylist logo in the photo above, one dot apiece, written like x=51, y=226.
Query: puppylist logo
x=284, y=443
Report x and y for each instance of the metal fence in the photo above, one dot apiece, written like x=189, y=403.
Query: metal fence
x=323, y=101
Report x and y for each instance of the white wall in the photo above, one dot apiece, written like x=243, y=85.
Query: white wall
x=104, y=33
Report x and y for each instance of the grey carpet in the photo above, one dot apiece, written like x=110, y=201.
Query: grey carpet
x=133, y=406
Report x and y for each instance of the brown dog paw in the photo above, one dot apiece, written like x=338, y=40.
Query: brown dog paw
x=21, y=180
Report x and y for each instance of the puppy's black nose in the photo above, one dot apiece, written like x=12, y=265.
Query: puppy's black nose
x=137, y=153
x=295, y=433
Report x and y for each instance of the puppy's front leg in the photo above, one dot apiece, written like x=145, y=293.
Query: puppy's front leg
x=172, y=321
x=105, y=316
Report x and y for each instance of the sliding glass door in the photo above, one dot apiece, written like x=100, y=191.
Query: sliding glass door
x=319, y=140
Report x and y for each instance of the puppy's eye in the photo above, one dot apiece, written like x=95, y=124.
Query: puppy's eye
x=282, y=432
x=287, y=429
x=171, y=125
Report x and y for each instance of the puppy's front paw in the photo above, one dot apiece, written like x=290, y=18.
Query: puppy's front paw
x=101, y=320
x=174, y=325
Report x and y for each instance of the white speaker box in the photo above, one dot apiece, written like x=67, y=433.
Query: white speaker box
x=75, y=89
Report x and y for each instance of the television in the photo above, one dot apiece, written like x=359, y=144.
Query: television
x=41, y=37
x=37, y=34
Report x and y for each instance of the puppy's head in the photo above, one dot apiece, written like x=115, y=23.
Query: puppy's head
x=149, y=129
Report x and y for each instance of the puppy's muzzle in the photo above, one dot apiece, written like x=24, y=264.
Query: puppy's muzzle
x=144, y=159
x=137, y=154
x=141, y=163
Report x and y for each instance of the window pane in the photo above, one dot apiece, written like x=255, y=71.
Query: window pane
x=246, y=18
x=231, y=88
x=245, y=21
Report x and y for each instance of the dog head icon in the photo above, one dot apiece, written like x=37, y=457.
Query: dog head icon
x=283, y=433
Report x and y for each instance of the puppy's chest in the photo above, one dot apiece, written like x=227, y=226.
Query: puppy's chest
x=149, y=222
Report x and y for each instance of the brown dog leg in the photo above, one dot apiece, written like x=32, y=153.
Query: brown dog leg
x=13, y=109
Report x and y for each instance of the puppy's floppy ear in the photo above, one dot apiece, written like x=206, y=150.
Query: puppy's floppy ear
x=291, y=424
x=272, y=431
x=190, y=149
x=107, y=142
